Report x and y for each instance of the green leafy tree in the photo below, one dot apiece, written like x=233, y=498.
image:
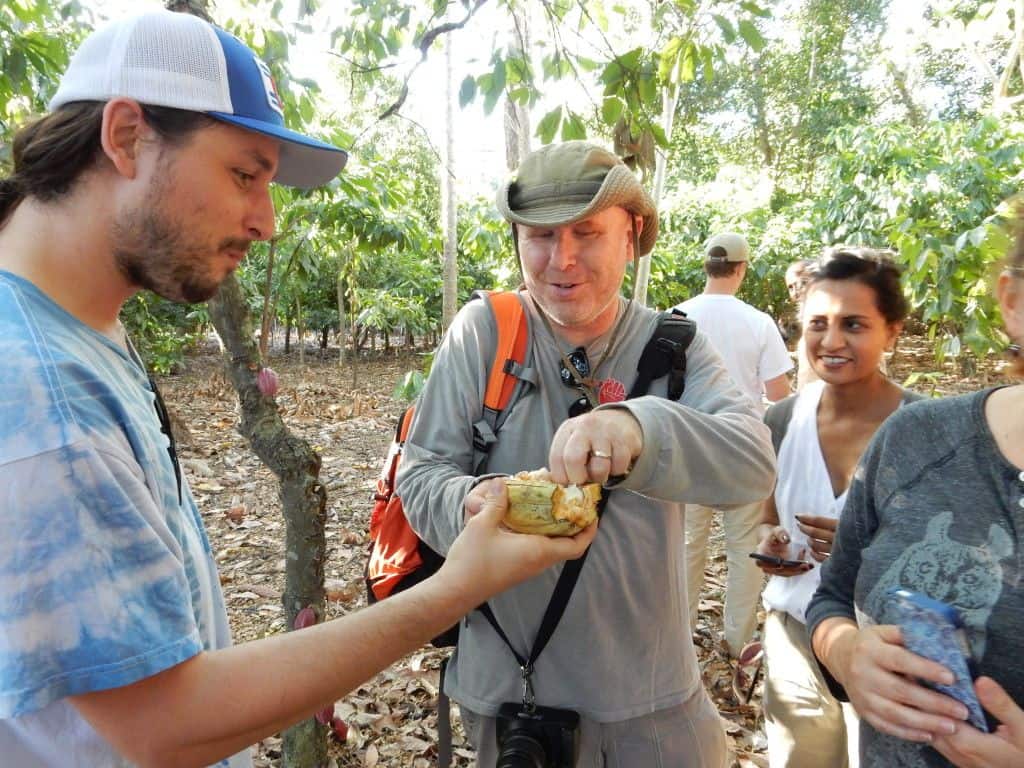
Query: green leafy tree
x=934, y=194
x=35, y=38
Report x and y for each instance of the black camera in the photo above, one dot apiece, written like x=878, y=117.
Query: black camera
x=538, y=737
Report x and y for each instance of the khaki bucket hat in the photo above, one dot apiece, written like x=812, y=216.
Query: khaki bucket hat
x=562, y=183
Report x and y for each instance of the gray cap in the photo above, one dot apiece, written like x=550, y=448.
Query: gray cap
x=733, y=245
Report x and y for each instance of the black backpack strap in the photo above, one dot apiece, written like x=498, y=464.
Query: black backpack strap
x=665, y=354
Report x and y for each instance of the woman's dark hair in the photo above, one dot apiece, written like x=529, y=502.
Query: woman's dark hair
x=871, y=266
x=52, y=153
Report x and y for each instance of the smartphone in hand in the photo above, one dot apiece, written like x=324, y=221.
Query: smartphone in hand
x=777, y=561
x=936, y=631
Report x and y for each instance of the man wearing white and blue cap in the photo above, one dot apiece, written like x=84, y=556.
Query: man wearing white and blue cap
x=152, y=170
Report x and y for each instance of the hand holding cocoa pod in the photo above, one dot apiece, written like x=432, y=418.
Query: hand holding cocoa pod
x=536, y=504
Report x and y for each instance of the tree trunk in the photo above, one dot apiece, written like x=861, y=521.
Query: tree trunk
x=288, y=336
x=899, y=79
x=761, y=129
x=517, y=118
x=669, y=97
x=292, y=460
x=267, y=306
x=300, y=329
x=354, y=333
x=339, y=288
x=1014, y=60
x=450, y=268
x=303, y=498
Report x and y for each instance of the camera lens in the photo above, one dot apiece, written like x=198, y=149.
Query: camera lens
x=521, y=750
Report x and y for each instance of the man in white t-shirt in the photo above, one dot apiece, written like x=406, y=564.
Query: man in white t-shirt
x=756, y=358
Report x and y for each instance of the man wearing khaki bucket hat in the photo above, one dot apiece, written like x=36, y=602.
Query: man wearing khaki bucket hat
x=617, y=684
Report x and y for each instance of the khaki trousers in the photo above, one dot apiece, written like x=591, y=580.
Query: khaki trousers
x=744, y=579
x=805, y=724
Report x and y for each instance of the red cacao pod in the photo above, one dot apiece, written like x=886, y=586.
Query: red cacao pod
x=340, y=728
x=266, y=380
x=305, y=618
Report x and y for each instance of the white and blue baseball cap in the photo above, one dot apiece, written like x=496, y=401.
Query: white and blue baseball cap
x=168, y=59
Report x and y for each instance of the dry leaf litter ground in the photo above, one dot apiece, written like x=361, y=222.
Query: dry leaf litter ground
x=392, y=718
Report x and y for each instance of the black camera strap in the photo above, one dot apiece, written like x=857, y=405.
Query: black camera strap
x=552, y=615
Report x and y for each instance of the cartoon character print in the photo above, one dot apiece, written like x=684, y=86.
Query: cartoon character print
x=968, y=577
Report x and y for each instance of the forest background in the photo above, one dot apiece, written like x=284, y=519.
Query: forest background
x=800, y=123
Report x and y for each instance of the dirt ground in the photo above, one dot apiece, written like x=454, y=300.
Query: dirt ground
x=392, y=718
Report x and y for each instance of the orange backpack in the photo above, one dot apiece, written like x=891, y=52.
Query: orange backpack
x=398, y=558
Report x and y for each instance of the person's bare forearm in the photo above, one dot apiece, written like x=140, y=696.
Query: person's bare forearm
x=219, y=703
x=832, y=642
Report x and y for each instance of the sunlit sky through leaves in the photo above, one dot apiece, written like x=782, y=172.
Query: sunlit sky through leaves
x=479, y=139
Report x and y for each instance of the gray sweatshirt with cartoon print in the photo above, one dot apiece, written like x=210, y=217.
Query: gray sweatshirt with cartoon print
x=937, y=509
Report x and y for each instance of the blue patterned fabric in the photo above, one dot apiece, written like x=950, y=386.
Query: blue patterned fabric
x=105, y=578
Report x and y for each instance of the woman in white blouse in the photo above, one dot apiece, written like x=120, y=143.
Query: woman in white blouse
x=853, y=312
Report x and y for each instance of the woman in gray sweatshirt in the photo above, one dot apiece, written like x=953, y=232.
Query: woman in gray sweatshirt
x=936, y=507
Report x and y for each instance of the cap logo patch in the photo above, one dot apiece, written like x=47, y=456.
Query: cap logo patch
x=270, y=88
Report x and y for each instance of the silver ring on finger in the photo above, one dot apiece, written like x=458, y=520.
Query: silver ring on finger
x=600, y=454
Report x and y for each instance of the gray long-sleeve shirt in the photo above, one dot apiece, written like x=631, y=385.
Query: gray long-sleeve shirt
x=934, y=508
x=623, y=647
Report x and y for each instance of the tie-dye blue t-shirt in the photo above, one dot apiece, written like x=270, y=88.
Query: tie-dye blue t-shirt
x=105, y=577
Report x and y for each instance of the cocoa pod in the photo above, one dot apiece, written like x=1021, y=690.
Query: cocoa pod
x=266, y=381
x=305, y=618
x=541, y=506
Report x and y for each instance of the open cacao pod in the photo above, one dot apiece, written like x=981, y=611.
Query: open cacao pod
x=537, y=505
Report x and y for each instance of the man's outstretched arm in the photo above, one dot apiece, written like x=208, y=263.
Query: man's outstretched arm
x=218, y=703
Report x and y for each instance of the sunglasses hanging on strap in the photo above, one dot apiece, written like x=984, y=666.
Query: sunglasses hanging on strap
x=161, y=413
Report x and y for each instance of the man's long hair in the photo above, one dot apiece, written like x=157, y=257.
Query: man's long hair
x=52, y=153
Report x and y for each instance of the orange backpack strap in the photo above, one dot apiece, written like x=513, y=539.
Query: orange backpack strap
x=510, y=318
x=405, y=424
x=508, y=374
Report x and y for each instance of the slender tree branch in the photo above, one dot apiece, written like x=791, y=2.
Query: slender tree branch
x=423, y=130
x=362, y=69
x=430, y=144
x=561, y=48
x=525, y=71
x=424, y=46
